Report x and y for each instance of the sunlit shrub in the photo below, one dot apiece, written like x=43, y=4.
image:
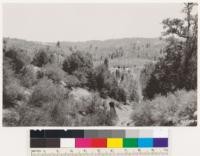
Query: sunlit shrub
x=12, y=93
x=45, y=91
x=171, y=110
x=10, y=117
x=29, y=76
x=90, y=111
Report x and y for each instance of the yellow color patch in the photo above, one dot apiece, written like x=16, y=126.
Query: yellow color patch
x=114, y=142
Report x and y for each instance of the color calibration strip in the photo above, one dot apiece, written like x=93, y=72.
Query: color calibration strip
x=100, y=143
x=99, y=139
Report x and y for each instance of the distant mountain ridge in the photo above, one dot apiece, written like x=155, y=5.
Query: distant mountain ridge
x=147, y=48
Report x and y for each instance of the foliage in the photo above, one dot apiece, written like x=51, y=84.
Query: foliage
x=104, y=78
x=54, y=73
x=41, y=58
x=130, y=86
x=89, y=111
x=97, y=114
x=83, y=75
x=53, y=113
x=45, y=92
x=77, y=61
x=92, y=82
x=80, y=65
x=66, y=112
x=18, y=58
x=49, y=103
x=12, y=91
x=29, y=77
x=10, y=117
x=33, y=116
x=107, y=84
x=115, y=49
x=8, y=72
x=176, y=109
x=178, y=69
x=133, y=95
x=118, y=93
x=46, y=106
x=145, y=76
x=72, y=81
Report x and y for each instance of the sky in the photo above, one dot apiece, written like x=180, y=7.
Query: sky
x=81, y=22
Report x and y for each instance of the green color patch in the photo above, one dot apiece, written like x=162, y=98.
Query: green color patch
x=130, y=142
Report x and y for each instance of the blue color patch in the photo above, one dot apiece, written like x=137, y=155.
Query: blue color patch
x=145, y=142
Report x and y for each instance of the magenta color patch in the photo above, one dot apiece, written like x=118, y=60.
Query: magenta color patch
x=83, y=142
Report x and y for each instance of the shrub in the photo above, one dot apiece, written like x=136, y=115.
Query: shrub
x=47, y=106
x=12, y=93
x=134, y=96
x=130, y=86
x=145, y=77
x=104, y=79
x=92, y=83
x=10, y=117
x=106, y=83
x=8, y=72
x=89, y=112
x=41, y=58
x=80, y=65
x=72, y=81
x=82, y=76
x=18, y=58
x=77, y=60
x=54, y=73
x=101, y=73
x=33, y=116
x=45, y=91
x=118, y=93
x=176, y=109
x=52, y=112
x=66, y=112
x=98, y=114
x=29, y=76
x=166, y=77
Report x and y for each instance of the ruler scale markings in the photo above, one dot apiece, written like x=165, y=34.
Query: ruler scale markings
x=101, y=152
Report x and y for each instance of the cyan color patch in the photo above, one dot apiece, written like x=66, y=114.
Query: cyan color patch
x=145, y=142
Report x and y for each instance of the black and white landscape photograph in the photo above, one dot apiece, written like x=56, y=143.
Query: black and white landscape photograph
x=96, y=64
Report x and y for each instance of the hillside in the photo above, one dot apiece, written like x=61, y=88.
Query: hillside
x=115, y=82
x=81, y=83
x=145, y=48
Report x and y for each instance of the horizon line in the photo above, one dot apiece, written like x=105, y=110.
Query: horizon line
x=101, y=40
